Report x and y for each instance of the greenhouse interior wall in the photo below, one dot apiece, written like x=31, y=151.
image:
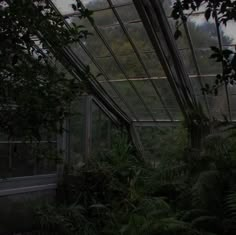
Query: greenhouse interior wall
x=145, y=88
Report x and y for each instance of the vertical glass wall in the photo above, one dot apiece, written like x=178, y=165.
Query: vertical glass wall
x=27, y=158
x=91, y=131
x=163, y=143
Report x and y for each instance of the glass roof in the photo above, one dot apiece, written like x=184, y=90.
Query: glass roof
x=194, y=46
x=131, y=71
x=120, y=50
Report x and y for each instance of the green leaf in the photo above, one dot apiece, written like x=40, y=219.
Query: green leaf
x=208, y=13
x=74, y=7
x=177, y=34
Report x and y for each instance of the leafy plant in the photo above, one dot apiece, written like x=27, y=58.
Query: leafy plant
x=35, y=87
x=221, y=12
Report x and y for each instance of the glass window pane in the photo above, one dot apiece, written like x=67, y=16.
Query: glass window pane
x=154, y=140
x=77, y=131
x=4, y=160
x=32, y=159
x=101, y=131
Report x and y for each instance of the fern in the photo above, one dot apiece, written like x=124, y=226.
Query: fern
x=190, y=215
x=206, y=192
x=207, y=223
x=63, y=219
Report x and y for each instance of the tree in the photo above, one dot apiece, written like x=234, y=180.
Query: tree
x=35, y=87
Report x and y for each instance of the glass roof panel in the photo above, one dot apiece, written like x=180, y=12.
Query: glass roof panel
x=146, y=90
x=65, y=7
x=218, y=106
x=127, y=109
x=95, y=5
x=188, y=61
x=132, y=66
x=104, y=18
x=121, y=2
x=169, y=98
x=128, y=13
x=93, y=42
x=117, y=40
x=129, y=94
x=110, y=50
x=79, y=51
x=110, y=68
x=207, y=65
x=203, y=33
x=182, y=41
x=228, y=33
x=217, y=103
x=153, y=64
x=139, y=36
x=167, y=7
x=232, y=92
x=108, y=87
x=117, y=98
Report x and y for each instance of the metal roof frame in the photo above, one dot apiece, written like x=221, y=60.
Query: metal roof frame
x=156, y=24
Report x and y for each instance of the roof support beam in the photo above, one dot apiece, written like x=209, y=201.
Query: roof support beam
x=140, y=59
x=156, y=24
x=78, y=68
x=121, y=68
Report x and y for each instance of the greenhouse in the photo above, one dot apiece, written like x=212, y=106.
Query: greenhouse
x=118, y=117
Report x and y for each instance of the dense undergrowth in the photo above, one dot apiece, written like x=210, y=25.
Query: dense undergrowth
x=119, y=194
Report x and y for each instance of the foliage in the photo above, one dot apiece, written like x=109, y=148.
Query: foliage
x=221, y=12
x=115, y=198
x=64, y=219
x=120, y=194
x=35, y=89
x=154, y=141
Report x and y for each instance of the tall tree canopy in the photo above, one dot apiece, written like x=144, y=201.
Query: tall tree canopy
x=34, y=88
